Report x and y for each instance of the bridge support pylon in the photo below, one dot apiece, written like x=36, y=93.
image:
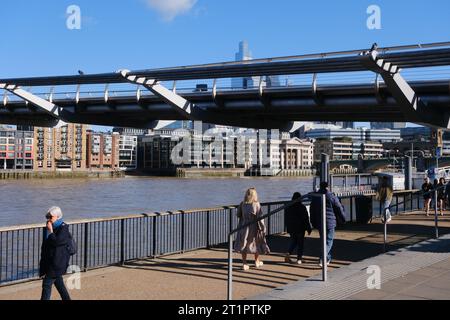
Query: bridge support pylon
x=414, y=108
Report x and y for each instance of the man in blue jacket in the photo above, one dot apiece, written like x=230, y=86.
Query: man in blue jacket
x=55, y=255
x=334, y=213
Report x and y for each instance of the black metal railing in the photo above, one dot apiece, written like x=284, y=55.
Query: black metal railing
x=105, y=242
x=112, y=241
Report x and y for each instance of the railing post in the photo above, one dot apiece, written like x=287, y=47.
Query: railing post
x=154, y=236
x=183, y=235
x=380, y=208
x=418, y=201
x=324, y=239
x=230, y=267
x=230, y=220
x=268, y=221
x=436, y=213
x=412, y=201
x=396, y=204
x=86, y=246
x=351, y=209
x=208, y=241
x=122, y=241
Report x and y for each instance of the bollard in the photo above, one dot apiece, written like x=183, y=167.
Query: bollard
x=436, y=227
x=230, y=268
x=324, y=239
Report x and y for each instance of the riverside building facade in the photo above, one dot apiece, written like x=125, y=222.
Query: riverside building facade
x=102, y=151
x=60, y=149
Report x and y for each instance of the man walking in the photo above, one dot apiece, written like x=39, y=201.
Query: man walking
x=55, y=254
x=334, y=213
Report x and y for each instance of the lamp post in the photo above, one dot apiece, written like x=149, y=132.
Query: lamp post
x=412, y=151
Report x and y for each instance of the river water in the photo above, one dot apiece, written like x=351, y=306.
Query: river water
x=26, y=201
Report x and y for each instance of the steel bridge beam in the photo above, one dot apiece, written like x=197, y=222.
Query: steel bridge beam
x=190, y=111
x=414, y=108
x=179, y=104
x=48, y=107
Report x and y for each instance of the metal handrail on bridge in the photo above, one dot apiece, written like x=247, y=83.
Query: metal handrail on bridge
x=301, y=64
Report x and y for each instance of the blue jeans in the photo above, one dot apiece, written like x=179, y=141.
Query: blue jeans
x=330, y=238
x=47, y=284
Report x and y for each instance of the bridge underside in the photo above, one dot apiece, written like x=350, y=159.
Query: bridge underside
x=244, y=108
x=393, y=100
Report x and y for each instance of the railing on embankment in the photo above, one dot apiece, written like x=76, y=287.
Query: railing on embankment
x=111, y=241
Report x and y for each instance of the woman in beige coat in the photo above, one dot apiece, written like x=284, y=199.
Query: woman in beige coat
x=251, y=240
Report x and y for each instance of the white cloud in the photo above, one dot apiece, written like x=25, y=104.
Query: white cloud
x=169, y=9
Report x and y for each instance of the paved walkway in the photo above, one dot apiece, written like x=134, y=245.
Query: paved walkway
x=202, y=274
x=420, y=271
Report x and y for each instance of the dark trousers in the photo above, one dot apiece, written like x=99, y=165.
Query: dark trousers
x=297, y=240
x=47, y=284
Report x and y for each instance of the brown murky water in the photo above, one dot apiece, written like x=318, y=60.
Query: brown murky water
x=24, y=202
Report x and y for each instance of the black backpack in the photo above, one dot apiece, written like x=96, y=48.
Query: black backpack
x=72, y=247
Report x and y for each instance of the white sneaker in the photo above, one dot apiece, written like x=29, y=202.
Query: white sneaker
x=259, y=264
x=299, y=262
x=245, y=267
x=321, y=265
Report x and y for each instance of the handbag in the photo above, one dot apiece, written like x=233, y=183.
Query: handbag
x=72, y=247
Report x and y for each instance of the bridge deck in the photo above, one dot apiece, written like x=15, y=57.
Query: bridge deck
x=202, y=274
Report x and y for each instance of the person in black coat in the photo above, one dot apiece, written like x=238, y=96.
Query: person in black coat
x=297, y=222
x=55, y=255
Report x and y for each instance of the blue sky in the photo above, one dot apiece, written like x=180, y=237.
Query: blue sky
x=137, y=34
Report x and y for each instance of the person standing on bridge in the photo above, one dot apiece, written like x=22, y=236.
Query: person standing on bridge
x=447, y=194
x=335, y=214
x=426, y=189
x=441, y=195
x=55, y=255
x=297, y=223
x=252, y=239
x=384, y=195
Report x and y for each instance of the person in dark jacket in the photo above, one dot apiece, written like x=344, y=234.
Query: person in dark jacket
x=55, y=255
x=334, y=213
x=441, y=186
x=447, y=194
x=297, y=222
x=426, y=188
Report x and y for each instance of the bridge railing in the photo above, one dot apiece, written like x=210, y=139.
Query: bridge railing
x=112, y=241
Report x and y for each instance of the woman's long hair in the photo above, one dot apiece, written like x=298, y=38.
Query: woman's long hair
x=251, y=196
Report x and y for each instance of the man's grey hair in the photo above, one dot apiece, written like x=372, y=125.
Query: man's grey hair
x=55, y=211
